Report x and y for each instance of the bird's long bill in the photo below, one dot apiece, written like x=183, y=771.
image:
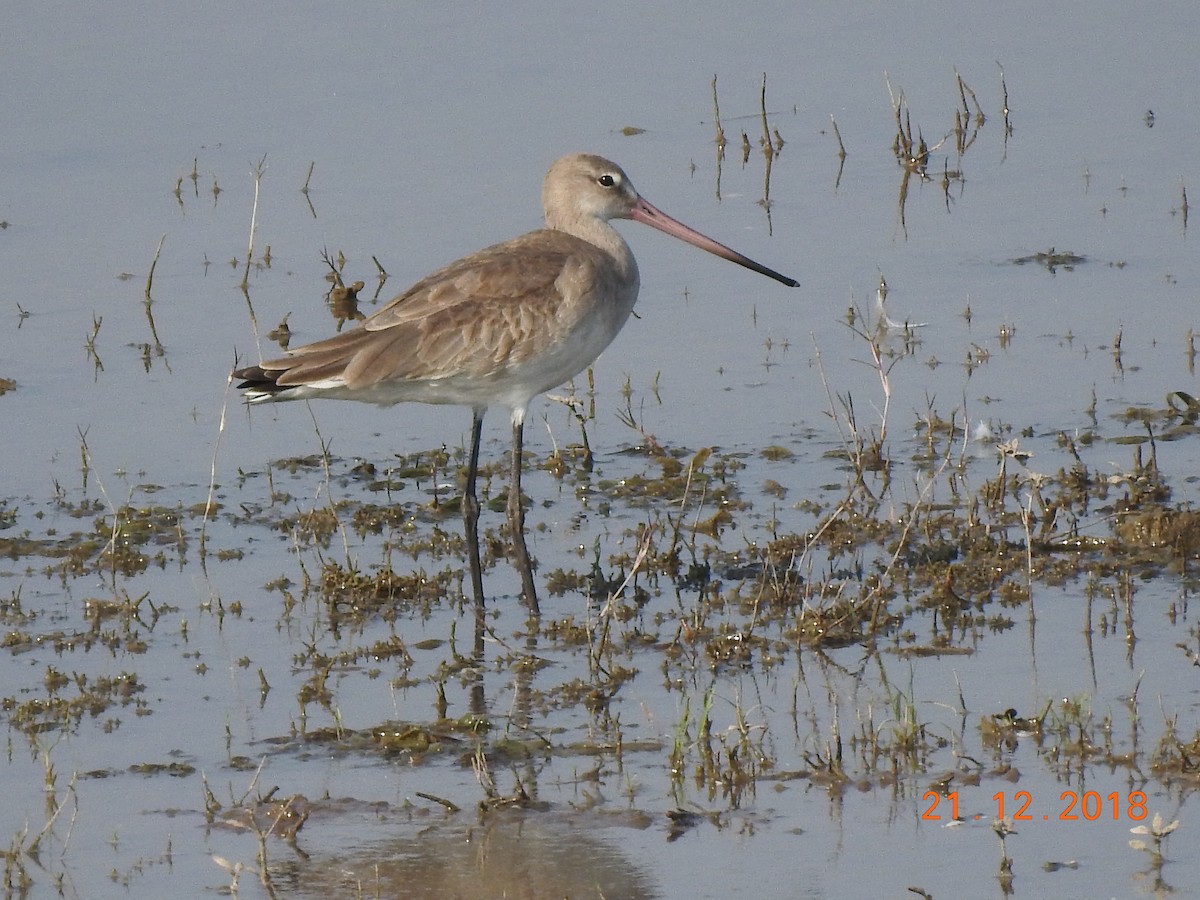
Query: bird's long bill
x=656, y=218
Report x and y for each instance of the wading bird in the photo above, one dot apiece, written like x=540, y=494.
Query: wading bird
x=498, y=327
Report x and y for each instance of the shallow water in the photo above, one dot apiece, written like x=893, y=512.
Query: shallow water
x=428, y=132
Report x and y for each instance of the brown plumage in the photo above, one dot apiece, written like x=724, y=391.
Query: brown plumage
x=497, y=327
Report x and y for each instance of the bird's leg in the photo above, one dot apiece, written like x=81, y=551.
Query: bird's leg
x=470, y=511
x=516, y=521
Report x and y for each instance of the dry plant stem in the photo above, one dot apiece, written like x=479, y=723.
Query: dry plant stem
x=555, y=452
x=857, y=445
x=158, y=347
x=837, y=420
x=90, y=466
x=768, y=161
x=212, y=473
x=606, y=612
x=334, y=273
x=1004, y=92
x=89, y=342
x=885, y=385
x=325, y=463
x=720, y=140
x=1027, y=525
x=838, y=134
x=717, y=120
x=678, y=523
x=250, y=788
x=258, y=174
x=901, y=546
x=304, y=190
x=153, y=265
x=699, y=508
x=768, y=147
x=449, y=805
x=479, y=765
x=799, y=559
x=264, y=873
x=32, y=849
x=965, y=91
x=875, y=596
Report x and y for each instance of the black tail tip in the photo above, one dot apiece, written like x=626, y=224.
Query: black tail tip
x=257, y=380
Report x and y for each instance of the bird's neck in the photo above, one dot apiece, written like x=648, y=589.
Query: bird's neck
x=600, y=233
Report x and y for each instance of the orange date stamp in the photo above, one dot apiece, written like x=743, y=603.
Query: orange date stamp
x=1071, y=806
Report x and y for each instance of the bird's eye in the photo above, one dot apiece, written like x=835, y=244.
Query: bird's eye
x=606, y=180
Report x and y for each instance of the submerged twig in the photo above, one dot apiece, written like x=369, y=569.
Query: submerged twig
x=838, y=134
x=1008, y=129
x=717, y=119
x=720, y=135
x=767, y=146
x=158, y=347
x=304, y=190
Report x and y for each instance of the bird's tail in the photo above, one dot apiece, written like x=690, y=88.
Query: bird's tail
x=258, y=383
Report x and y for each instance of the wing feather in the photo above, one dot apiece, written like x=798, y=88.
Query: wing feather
x=475, y=317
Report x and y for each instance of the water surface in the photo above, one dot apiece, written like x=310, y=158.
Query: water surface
x=427, y=131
